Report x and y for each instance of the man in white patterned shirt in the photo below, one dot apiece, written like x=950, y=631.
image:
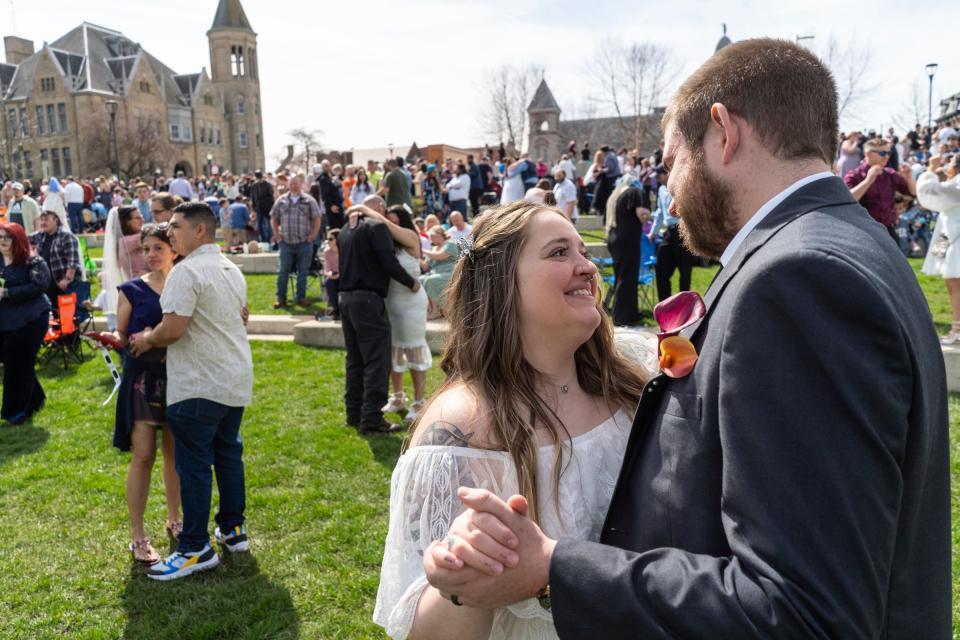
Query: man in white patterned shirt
x=209, y=382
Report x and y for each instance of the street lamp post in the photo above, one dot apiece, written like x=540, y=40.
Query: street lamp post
x=112, y=111
x=931, y=69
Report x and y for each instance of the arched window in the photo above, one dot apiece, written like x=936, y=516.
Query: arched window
x=237, y=63
x=545, y=126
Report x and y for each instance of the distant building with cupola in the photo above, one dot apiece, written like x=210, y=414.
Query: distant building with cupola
x=55, y=105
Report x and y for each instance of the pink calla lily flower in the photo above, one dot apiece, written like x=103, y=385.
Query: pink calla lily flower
x=676, y=313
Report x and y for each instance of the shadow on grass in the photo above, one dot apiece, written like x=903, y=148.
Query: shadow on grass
x=21, y=440
x=233, y=600
x=385, y=448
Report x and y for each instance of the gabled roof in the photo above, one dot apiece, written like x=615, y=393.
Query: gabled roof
x=230, y=15
x=543, y=99
x=187, y=84
x=94, y=58
x=7, y=71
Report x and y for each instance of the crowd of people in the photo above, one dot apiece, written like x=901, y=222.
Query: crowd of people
x=534, y=379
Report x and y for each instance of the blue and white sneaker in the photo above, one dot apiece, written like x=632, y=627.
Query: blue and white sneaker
x=235, y=540
x=180, y=565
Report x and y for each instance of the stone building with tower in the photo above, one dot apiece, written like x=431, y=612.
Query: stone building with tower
x=549, y=135
x=55, y=105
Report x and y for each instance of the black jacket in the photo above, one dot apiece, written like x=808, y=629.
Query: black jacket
x=331, y=196
x=367, y=258
x=796, y=484
x=261, y=195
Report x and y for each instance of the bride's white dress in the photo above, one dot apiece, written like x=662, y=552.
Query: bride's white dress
x=424, y=503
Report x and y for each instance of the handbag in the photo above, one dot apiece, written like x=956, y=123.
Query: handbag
x=940, y=246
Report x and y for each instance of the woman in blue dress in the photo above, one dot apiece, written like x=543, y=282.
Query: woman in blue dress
x=141, y=401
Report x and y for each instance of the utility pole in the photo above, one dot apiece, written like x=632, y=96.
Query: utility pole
x=931, y=70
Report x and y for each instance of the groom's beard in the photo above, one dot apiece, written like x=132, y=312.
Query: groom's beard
x=706, y=210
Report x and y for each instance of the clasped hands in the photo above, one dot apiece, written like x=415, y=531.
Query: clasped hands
x=493, y=555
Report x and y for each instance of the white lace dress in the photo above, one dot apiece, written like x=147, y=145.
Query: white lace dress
x=424, y=502
x=408, y=320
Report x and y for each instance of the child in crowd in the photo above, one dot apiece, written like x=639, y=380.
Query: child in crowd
x=99, y=303
x=331, y=272
x=223, y=214
x=239, y=219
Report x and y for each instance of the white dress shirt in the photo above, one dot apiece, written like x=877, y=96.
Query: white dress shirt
x=458, y=188
x=73, y=193
x=763, y=211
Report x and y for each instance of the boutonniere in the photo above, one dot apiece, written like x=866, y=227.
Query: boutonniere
x=676, y=313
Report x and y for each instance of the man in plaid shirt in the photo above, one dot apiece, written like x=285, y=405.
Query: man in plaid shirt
x=295, y=218
x=60, y=250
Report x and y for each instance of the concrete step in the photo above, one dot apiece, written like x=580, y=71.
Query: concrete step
x=590, y=223
x=96, y=239
x=329, y=334
x=261, y=326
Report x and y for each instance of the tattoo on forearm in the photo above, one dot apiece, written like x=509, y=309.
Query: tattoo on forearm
x=444, y=434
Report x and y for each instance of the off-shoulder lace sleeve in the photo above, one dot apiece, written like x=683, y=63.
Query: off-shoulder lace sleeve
x=423, y=504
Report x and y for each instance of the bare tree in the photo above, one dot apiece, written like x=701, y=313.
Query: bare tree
x=850, y=64
x=911, y=110
x=509, y=91
x=631, y=80
x=309, y=140
x=142, y=144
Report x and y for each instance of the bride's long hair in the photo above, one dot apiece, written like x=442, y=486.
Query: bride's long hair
x=484, y=348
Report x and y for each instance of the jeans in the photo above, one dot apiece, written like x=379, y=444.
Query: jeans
x=459, y=205
x=300, y=254
x=263, y=227
x=205, y=434
x=332, y=285
x=366, y=334
x=22, y=393
x=672, y=254
x=75, y=216
x=475, y=195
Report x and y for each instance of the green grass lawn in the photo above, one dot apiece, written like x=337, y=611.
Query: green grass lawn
x=317, y=497
x=317, y=506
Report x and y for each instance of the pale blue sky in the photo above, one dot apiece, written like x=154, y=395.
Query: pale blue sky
x=385, y=71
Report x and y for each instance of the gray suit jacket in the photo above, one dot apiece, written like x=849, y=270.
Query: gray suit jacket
x=796, y=484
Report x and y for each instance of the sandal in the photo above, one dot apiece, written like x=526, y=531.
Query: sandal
x=173, y=530
x=143, y=552
x=953, y=337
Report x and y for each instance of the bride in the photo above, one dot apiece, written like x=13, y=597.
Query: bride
x=537, y=401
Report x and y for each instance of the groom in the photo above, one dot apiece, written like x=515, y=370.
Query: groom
x=796, y=483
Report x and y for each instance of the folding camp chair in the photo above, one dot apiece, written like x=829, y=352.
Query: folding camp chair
x=63, y=338
x=647, y=281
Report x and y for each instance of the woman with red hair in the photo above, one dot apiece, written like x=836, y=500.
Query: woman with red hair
x=24, y=315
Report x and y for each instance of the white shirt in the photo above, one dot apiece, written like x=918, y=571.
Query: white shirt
x=73, y=193
x=458, y=188
x=458, y=234
x=212, y=359
x=181, y=187
x=568, y=168
x=763, y=211
x=565, y=192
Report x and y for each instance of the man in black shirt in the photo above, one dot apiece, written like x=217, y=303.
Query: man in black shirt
x=331, y=196
x=367, y=263
x=261, y=194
